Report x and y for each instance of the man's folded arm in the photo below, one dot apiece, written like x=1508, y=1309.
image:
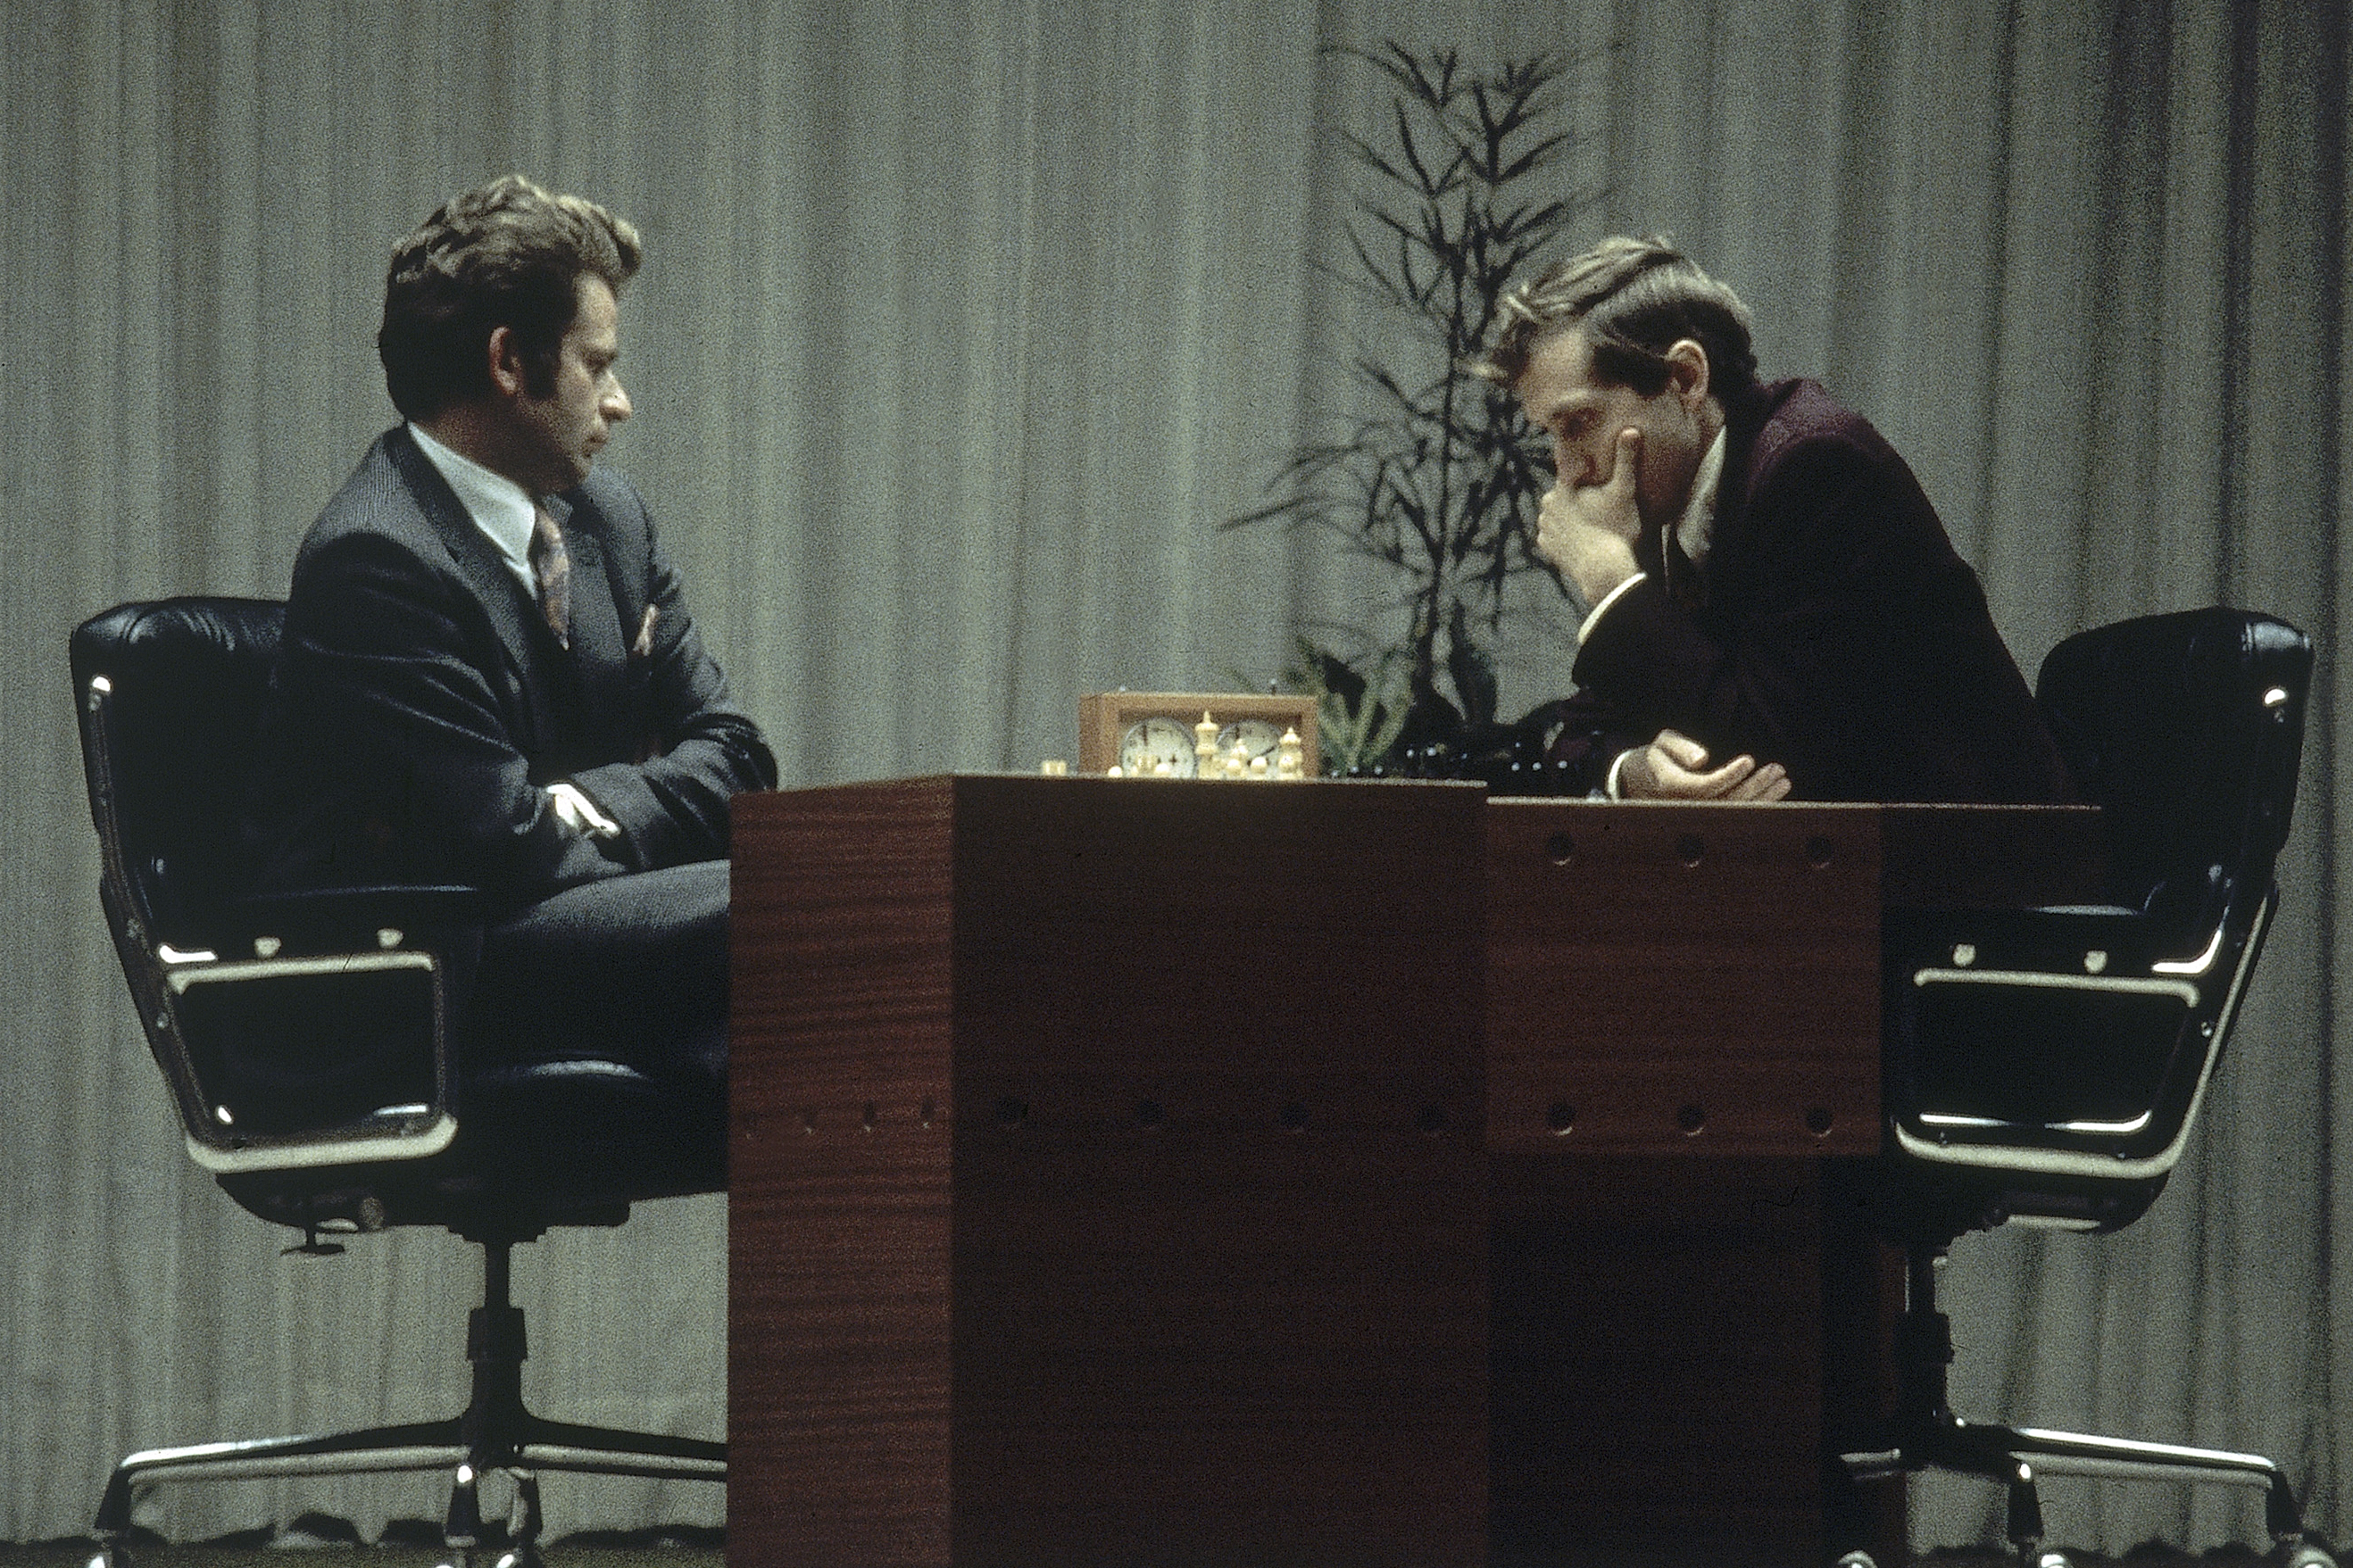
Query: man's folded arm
x=671, y=806
x=407, y=734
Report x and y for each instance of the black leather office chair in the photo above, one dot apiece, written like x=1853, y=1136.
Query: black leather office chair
x=2046, y=1066
x=316, y=1050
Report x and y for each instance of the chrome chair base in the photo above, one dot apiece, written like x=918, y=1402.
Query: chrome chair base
x=496, y=1434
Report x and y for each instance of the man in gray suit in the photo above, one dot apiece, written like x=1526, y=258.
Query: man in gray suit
x=489, y=675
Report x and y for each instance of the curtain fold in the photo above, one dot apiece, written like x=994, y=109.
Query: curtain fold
x=962, y=327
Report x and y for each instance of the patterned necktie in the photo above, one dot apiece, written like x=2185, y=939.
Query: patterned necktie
x=551, y=568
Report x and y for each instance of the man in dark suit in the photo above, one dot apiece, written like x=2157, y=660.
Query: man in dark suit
x=1775, y=609
x=489, y=675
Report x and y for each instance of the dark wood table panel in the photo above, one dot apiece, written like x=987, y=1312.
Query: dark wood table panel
x=1675, y=1343
x=1188, y=1262
x=1683, y=979
x=838, y=1372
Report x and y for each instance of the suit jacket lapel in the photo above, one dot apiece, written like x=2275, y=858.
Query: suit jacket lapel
x=510, y=612
x=1747, y=449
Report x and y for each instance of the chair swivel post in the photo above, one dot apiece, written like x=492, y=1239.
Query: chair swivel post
x=1928, y=1434
x=496, y=1423
x=497, y=1345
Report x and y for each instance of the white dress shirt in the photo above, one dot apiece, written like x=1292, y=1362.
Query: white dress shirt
x=501, y=507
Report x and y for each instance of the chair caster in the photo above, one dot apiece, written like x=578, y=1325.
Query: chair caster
x=495, y=1557
x=1856, y=1560
x=2302, y=1555
x=474, y=1542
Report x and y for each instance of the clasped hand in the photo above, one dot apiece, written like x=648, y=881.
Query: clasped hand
x=577, y=811
x=1589, y=531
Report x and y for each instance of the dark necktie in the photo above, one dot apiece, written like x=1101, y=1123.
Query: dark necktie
x=551, y=568
x=1684, y=585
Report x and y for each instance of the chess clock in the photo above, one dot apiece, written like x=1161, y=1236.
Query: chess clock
x=1156, y=733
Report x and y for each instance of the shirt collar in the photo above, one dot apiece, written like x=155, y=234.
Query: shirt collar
x=1695, y=530
x=501, y=507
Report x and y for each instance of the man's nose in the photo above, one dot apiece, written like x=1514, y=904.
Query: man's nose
x=616, y=402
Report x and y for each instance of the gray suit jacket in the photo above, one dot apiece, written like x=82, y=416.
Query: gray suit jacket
x=419, y=702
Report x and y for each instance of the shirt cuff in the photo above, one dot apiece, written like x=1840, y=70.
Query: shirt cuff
x=1617, y=764
x=1593, y=618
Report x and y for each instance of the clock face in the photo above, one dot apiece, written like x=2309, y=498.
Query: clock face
x=1253, y=738
x=1157, y=748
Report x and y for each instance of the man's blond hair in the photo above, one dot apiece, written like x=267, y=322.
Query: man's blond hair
x=1634, y=298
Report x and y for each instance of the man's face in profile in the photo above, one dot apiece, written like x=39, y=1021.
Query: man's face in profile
x=1583, y=417
x=559, y=436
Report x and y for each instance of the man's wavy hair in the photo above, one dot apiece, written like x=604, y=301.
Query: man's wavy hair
x=505, y=254
x=1635, y=299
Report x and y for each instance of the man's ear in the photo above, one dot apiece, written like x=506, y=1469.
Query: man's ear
x=1687, y=369
x=505, y=359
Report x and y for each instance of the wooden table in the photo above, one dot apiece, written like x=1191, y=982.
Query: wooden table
x=1133, y=1172
x=1681, y=1050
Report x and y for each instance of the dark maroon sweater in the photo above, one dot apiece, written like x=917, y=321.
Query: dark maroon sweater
x=1836, y=631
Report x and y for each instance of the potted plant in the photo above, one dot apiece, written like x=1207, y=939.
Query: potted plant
x=1440, y=480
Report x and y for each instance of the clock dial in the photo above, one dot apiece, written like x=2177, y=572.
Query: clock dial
x=1254, y=738
x=1157, y=748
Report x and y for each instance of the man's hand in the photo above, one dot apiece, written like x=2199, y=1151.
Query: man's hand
x=577, y=812
x=1589, y=531
x=1670, y=768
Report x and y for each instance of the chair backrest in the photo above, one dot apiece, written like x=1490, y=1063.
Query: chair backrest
x=274, y=1061
x=170, y=696
x=2050, y=1064
x=2186, y=731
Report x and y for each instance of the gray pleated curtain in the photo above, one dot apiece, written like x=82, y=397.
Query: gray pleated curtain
x=963, y=326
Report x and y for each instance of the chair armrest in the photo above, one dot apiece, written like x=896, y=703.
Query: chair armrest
x=310, y=1027
x=331, y=920
x=2083, y=940
x=2060, y=1041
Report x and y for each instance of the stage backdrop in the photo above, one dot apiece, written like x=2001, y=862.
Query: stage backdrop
x=964, y=325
